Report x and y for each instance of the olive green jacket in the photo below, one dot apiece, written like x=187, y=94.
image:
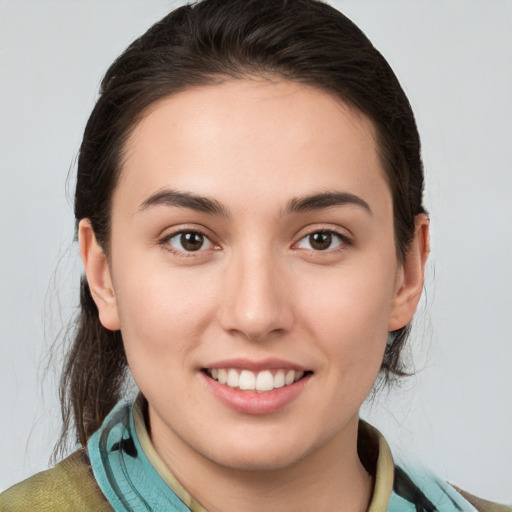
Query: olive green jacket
x=70, y=486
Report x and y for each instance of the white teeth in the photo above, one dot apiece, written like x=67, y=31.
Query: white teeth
x=222, y=376
x=249, y=381
x=279, y=379
x=264, y=381
x=233, y=379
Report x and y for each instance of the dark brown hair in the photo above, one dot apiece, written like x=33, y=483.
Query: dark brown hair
x=305, y=41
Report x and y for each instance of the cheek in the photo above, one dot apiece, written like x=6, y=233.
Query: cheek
x=159, y=329
x=161, y=313
x=357, y=300
x=347, y=314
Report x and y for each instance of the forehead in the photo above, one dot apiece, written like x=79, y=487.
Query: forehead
x=243, y=138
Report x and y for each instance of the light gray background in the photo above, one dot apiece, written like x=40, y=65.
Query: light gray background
x=454, y=59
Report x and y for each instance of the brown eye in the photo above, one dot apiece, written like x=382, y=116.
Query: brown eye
x=189, y=241
x=321, y=241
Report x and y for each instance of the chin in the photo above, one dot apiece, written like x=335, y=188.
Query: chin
x=259, y=462
x=270, y=454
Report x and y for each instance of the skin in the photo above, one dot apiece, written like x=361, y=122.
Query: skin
x=257, y=288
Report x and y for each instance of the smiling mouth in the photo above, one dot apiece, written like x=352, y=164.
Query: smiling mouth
x=261, y=382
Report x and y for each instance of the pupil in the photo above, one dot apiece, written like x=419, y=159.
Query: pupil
x=320, y=241
x=192, y=241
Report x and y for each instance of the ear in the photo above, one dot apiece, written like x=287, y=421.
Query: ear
x=410, y=276
x=98, y=275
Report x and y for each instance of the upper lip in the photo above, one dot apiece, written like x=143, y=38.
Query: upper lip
x=257, y=366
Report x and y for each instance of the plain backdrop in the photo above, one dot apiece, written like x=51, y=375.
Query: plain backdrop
x=454, y=59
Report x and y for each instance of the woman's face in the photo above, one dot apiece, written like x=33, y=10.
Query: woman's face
x=252, y=240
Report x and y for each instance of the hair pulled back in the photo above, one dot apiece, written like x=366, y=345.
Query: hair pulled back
x=305, y=41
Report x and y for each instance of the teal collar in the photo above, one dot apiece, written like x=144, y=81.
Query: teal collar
x=131, y=483
x=123, y=472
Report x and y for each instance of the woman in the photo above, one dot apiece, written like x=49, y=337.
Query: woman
x=249, y=210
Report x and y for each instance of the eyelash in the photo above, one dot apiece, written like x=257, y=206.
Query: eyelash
x=165, y=242
x=343, y=242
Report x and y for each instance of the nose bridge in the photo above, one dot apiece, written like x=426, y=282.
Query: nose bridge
x=255, y=302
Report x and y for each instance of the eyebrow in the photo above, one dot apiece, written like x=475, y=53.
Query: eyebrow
x=211, y=206
x=184, y=200
x=326, y=200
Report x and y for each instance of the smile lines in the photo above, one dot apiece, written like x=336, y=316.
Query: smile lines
x=247, y=380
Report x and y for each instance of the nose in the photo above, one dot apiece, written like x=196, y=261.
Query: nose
x=256, y=303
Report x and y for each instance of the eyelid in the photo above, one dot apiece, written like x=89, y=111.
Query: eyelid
x=165, y=238
x=344, y=234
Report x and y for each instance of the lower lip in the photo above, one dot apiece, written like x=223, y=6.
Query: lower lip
x=251, y=402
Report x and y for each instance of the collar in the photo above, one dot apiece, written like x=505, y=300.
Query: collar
x=377, y=460
x=134, y=478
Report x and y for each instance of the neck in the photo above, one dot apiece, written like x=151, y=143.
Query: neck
x=329, y=478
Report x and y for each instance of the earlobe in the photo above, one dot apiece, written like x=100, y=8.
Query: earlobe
x=411, y=276
x=98, y=276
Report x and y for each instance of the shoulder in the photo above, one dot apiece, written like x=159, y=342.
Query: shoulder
x=482, y=505
x=417, y=486
x=70, y=485
x=407, y=486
